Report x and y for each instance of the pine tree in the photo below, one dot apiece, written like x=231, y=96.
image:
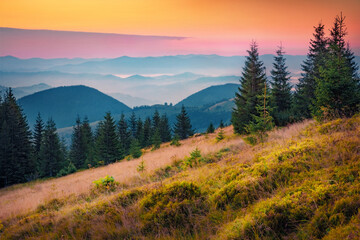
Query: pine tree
x=107, y=144
x=124, y=135
x=135, y=149
x=305, y=90
x=77, y=149
x=156, y=121
x=183, y=126
x=51, y=155
x=252, y=84
x=147, y=133
x=280, y=89
x=210, y=129
x=139, y=131
x=88, y=143
x=133, y=125
x=16, y=162
x=337, y=90
x=37, y=137
x=221, y=125
x=262, y=121
x=156, y=139
x=165, y=131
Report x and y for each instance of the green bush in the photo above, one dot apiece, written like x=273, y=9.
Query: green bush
x=106, y=184
x=67, y=170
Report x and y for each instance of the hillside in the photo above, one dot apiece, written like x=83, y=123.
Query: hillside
x=302, y=183
x=210, y=95
x=63, y=104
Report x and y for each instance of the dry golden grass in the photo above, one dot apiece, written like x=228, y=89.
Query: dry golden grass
x=22, y=198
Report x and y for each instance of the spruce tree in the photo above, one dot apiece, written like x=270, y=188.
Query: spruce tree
x=165, y=130
x=17, y=165
x=221, y=125
x=280, y=89
x=37, y=137
x=210, y=129
x=156, y=139
x=133, y=124
x=107, y=144
x=77, y=149
x=337, y=89
x=135, y=149
x=124, y=135
x=139, y=131
x=156, y=121
x=252, y=84
x=183, y=126
x=147, y=133
x=88, y=143
x=51, y=154
x=304, y=96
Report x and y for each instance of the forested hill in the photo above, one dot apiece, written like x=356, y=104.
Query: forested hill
x=63, y=104
x=210, y=95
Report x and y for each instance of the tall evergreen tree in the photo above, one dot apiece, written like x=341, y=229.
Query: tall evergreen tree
x=280, y=89
x=139, y=131
x=305, y=90
x=147, y=133
x=15, y=143
x=165, y=130
x=77, y=149
x=338, y=88
x=156, y=121
x=211, y=128
x=124, y=135
x=133, y=124
x=37, y=137
x=252, y=84
x=107, y=144
x=51, y=154
x=88, y=142
x=156, y=139
x=183, y=126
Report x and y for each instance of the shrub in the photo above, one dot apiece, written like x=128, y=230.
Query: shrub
x=174, y=206
x=193, y=160
x=106, y=184
x=175, y=141
x=67, y=170
x=141, y=167
x=220, y=136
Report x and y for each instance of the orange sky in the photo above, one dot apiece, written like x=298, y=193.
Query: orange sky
x=236, y=20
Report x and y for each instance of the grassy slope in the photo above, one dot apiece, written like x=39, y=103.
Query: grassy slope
x=300, y=184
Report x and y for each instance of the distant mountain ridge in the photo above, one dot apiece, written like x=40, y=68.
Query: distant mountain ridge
x=63, y=104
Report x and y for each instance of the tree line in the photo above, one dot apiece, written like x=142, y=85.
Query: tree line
x=329, y=86
x=26, y=155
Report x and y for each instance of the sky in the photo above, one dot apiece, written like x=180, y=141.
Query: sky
x=224, y=27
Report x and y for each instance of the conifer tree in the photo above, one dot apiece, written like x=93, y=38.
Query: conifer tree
x=107, y=144
x=77, y=149
x=139, y=131
x=305, y=90
x=211, y=128
x=133, y=124
x=16, y=162
x=165, y=131
x=280, y=89
x=88, y=143
x=51, y=155
x=252, y=84
x=183, y=126
x=147, y=133
x=337, y=89
x=124, y=135
x=156, y=139
x=262, y=121
x=221, y=125
x=135, y=149
x=155, y=121
x=37, y=137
